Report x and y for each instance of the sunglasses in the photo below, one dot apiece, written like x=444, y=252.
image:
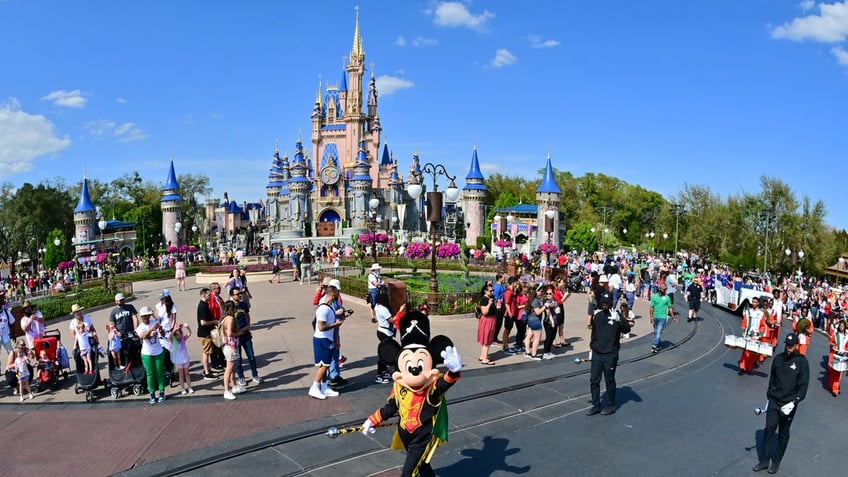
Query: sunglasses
x=236, y=294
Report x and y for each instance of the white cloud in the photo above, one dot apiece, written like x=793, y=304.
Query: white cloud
x=400, y=41
x=537, y=42
x=841, y=55
x=24, y=137
x=125, y=132
x=807, y=5
x=121, y=100
x=490, y=167
x=829, y=27
x=503, y=57
x=69, y=99
x=424, y=41
x=387, y=84
x=455, y=14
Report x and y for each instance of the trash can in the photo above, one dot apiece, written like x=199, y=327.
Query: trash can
x=397, y=294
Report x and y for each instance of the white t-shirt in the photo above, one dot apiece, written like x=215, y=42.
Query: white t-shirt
x=615, y=281
x=324, y=313
x=383, y=314
x=166, y=322
x=149, y=346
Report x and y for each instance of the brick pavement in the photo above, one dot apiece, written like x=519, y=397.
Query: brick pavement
x=282, y=314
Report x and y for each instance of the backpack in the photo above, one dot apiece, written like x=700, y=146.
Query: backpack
x=217, y=333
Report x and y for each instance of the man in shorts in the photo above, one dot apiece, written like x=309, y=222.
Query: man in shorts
x=323, y=341
x=205, y=323
x=124, y=316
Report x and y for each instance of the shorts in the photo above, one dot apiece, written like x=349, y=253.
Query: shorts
x=695, y=305
x=535, y=325
x=508, y=322
x=230, y=353
x=322, y=351
x=207, y=345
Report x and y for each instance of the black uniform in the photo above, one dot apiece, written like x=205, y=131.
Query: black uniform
x=788, y=381
x=607, y=327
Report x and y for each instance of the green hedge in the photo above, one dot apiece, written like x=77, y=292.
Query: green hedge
x=153, y=274
x=58, y=306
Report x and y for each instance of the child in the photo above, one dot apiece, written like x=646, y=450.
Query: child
x=179, y=356
x=628, y=315
x=23, y=373
x=114, y=345
x=84, y=346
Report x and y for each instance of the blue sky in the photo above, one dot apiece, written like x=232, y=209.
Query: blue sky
x=661, y=93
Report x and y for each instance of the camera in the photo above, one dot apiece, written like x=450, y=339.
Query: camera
x=348, y=312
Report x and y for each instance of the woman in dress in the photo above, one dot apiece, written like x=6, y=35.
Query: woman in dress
x=486, y=322
x=180, y=266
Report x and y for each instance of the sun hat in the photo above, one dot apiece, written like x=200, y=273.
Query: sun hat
x=145, y=311
x=375, y=266
x=335, y=284
x=603, y=279
x=75, y=308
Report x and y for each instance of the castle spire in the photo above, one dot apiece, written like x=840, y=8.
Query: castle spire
x=84, y=204
x=548, y=184
x=357, y=51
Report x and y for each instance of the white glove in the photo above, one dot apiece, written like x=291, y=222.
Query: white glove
x=787, y=408
x=368, y=428
x=452, y=359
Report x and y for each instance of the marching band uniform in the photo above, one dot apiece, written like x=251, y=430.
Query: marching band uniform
x=803, y=336
x=753, y=327
x=838, y=344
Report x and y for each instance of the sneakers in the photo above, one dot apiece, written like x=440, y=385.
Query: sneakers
x=510, y=351
x=22, y=399
x=534, y=358
x=775, y=466
x=161, y=398
x=120, y=368
x=229, y=396
x=654, y=350
x=190, y=390
x=238, y=389
x=338, y=382
x=315, y=391
x=209, y=376
x=548, y=356
x=328, y=391
x=608, y=410
x=241, y=382
x=183, y=392
x=762, y=465
x=382, y=380
x=152, y=400
x=593, y=410
x=257, y=380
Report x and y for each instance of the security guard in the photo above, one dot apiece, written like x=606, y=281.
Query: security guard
x=788, y=381
x=607, y=327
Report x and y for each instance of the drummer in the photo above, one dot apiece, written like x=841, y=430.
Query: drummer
x=753, y=328
x=802, y=325
x=772, y=323
x=838, y=346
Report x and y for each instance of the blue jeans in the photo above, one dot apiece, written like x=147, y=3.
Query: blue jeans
x=659, y=324
x=334, y=372
x=631, y=299
x=246, y=344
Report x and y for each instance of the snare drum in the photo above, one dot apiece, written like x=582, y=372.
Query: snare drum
x=752, y=345
x=731, y=341
x=765, y=349
x=839, y=363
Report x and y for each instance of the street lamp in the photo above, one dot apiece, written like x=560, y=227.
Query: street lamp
x=177, y=228
x=678, y=209
x=373, y=221
x=434, y=201
x=549, y=224
x=102, y=226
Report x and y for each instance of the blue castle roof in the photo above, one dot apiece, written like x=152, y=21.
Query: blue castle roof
x=343, y=82
x=548, y=184
x=474, y=170
x=84, y=204
x=171, y=183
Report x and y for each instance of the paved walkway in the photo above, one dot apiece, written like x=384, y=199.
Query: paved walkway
x=120, y=434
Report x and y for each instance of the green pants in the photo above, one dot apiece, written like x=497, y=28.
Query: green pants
x=154, y=366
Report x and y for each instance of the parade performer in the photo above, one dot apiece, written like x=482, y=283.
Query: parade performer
x=753, y=327
x=772, y=325
x=803, y=327
x=418, y=392
x=838, y=345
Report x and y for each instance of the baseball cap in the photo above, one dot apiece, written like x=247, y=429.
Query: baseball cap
x=119, y=297
x=335, y=284
x=791, y=339
x=603, y=279
x=145, y=311
x=165, y=293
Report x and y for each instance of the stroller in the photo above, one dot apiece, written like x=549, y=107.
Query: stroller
x=48, y=351
x=87, y=383
x=132, y=375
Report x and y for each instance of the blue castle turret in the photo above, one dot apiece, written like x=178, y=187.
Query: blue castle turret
x=548, y=200
x=473, y=195
x=171, y=204
x=85, y=220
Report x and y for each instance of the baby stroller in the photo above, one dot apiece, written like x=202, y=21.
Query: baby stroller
x=132, y=375
x=87, y=383
x=49, y=365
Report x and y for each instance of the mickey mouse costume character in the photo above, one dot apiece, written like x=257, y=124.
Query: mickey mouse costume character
x=418, y=392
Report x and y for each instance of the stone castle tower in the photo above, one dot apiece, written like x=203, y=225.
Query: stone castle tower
x=171, y=204
x=548, y=198
x=473, y=195
x=85, y=221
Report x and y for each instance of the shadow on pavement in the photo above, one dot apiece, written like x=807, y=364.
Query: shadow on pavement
x=486, y=461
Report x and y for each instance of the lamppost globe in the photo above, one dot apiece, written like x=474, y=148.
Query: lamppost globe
x=194, y=228
x=624, y=231
x=497, y=218
x=510, y=217
x=414, y=190
x=550, y=213
x=177, y=227
x=452, y=192
x=374, y=203
x=653, y=235
x=592, y=229
x=57, y=242
x=801, y=254
x=102, y=225
x=788, y=252
x=665, y=235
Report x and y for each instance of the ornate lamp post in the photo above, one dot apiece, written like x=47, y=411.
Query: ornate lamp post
x=373, y=222
x=178, y=227
x=434, y=215
x=102, y=226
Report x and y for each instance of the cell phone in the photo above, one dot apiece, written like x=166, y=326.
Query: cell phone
x=348, y=312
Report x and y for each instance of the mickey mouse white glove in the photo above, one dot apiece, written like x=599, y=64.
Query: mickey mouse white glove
x=368, y=428
x=787, y=408
x=452, y=359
